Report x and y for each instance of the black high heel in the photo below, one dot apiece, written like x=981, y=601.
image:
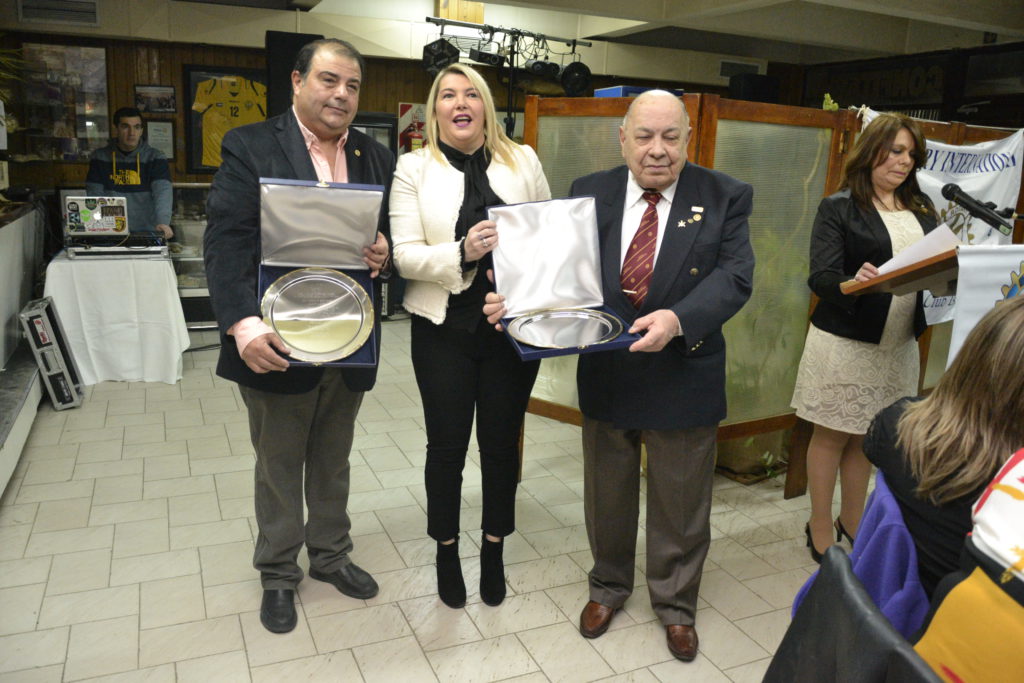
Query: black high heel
x=815, y=555
x=841, y=531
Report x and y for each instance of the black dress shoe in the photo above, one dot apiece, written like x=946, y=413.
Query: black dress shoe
x=277, y=613
x=350, y=580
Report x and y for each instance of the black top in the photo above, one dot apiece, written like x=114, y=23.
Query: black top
x=465, y=309
x=843, y=238
x=938, y=531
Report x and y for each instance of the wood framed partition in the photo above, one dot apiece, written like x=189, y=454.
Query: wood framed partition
x=816, y=141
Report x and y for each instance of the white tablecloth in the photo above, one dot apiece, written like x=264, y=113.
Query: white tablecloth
x=122, y=317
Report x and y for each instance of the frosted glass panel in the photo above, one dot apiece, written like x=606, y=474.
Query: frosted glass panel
x=787, y=167
x=574, y=146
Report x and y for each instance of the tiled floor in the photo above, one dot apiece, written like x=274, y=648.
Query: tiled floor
x=126, y=538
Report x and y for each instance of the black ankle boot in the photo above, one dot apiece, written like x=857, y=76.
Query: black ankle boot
x=450, y=585
x=492, y=571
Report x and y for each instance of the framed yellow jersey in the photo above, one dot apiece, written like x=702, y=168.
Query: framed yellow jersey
x=219, y=100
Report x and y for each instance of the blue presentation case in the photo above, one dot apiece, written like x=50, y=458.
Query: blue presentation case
x=629, y=91
x=529, y=352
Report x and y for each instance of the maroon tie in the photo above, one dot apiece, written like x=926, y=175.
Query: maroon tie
x=639, y=262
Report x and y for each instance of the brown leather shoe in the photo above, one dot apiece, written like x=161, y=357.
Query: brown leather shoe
x=682, y=641
x=595, y=618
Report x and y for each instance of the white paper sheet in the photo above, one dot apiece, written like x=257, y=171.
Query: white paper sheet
x=939, y=240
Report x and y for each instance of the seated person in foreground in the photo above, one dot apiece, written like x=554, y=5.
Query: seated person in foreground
x=128, y=167
x=938, y=453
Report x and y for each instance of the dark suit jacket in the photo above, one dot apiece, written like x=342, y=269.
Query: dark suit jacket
x=844, y=238
x=703, y=274
x=272, y=149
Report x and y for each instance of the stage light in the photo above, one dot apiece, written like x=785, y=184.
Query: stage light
x=484, y=57
x=575, y=78
x=543, y=68
x=439, y=54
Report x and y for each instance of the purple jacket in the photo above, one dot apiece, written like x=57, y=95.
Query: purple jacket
x=885, y=561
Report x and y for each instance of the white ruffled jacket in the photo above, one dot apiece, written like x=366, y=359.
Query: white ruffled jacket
x=425, y=198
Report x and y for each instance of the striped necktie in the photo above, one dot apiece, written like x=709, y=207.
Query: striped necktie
x=639, y=262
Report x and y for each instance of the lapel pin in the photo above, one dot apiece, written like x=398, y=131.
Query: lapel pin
x=697, y=209
x=697, y=216
x=358, y=153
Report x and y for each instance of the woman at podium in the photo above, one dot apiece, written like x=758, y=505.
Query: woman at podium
x=860, y=354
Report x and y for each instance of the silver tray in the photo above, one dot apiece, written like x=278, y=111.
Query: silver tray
x=322, y=314
x=565, y=328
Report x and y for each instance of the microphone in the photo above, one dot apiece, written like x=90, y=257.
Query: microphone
x=953, y=193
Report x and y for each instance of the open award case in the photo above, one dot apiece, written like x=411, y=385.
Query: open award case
x=315, y=290
x=548, y=267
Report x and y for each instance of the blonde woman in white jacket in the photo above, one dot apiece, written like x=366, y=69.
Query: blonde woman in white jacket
x=442, y=247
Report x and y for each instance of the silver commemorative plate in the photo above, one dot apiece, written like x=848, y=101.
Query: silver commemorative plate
x=322, y=314
x=565, y=328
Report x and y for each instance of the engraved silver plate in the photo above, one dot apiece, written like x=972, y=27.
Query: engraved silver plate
x=565, y=328
x=321, y=314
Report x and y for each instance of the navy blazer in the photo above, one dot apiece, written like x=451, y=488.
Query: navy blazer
x=273, y=148
x=845, y=237
x=703, y=274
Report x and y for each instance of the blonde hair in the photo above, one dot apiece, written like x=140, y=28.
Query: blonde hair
x=497, y=143
x=956, y=439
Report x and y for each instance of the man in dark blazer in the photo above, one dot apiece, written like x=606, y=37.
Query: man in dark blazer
x=301, y=419
x=668, y=388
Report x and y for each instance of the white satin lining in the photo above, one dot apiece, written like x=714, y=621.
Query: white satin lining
x=548, y=255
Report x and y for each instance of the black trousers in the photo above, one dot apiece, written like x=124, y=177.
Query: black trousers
x=460, y=373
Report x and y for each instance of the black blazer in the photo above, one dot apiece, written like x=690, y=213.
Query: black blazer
x=231, y=244
x=704, y=274
x=844, y=238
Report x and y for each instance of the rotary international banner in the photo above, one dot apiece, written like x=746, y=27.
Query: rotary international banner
x=987, y=171
x=989, y=273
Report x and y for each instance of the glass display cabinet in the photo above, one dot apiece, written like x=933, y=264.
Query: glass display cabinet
x=186, y=248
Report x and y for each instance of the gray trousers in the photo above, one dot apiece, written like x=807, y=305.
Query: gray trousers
x=680, y=468
x=302, y=444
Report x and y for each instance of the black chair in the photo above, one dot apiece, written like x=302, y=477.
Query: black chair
x=839, y=634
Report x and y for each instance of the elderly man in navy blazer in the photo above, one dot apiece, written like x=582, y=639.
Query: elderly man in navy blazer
x=676, y=264
x=301, y=419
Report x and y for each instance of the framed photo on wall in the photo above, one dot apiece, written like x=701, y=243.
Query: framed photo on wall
x=155, y=99
x=160, y=136
x=219, y=99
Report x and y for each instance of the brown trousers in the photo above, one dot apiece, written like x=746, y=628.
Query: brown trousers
x=302, y=444
x=680, y=468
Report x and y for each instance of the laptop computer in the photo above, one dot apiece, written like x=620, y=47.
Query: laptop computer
x=98, y=226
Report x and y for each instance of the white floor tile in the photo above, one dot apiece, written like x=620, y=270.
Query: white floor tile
x=19, y=608
x=564, y=655
x=171, y=601
x=102, y=647
x=333, y=666
x=485, y=660
x=438, y=626
x=189, y=641
x=81, y=571
x=358, y=627
x=394, y=660
x=230, y=667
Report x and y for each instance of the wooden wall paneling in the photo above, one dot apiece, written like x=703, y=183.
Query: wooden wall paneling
x=530, y=124
x=702, y=139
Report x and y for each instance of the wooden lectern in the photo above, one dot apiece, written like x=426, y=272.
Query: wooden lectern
x=934, y=272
